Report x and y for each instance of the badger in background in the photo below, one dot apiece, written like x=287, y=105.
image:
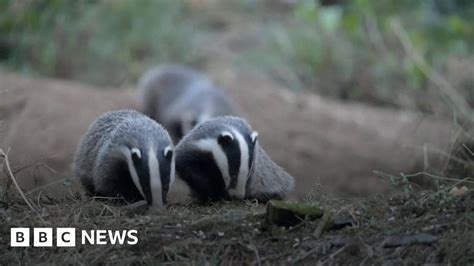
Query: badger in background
x=180, y=97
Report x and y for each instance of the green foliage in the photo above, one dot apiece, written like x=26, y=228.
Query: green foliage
x=350, y=50
x=99, y=41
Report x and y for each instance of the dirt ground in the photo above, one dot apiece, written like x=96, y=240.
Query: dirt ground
x=409, y=228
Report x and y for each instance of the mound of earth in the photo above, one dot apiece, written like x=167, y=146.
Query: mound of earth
x=317, y=140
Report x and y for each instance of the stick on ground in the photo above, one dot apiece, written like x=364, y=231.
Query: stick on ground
x=10, y=173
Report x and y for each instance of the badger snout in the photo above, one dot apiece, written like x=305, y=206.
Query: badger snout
x=236, y=194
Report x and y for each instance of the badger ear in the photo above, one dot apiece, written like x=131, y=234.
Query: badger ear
x=225, y=137
x=136, y=154
x=254, y=136
x=168, y=152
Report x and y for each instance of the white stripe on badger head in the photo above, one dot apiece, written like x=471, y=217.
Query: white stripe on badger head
x=220, y=158
x=172, y=165
x=172, y=172
x=137, y=152
x=132, y=170
x=239, y=190
x=155, y=179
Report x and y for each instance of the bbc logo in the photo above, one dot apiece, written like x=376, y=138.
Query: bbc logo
x=42, y=237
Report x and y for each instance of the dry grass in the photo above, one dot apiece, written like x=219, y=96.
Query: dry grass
x=235, y=232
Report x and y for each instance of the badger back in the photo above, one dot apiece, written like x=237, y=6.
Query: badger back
x=85, y=157
x=268, y=180
x=161, y=86
x=200, y=103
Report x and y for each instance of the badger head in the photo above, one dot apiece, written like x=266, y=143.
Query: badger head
x=152, y=171
x=216, y=158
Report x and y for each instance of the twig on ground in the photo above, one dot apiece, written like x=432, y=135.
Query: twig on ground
x=10, y=173
x=333, y=255
x=47, y=185
x=102, y=252
x=465, y=180
x=305, y=255
x=322, y=224
x=468, y=149
x=36, y=165
x=257, y=255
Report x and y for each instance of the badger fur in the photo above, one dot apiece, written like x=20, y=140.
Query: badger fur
x=222, y=159
x=126, y=154
x=179, y=97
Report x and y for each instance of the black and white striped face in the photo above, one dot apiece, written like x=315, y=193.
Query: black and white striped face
x=232, y=152
x=152, y=171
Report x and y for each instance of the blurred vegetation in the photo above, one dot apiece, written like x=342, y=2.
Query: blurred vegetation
x=344, y=49
x=351, y=51
x=103, y=42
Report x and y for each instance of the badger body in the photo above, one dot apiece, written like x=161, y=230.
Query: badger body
x=126, y=154
x=222, y=159
x=179, y=97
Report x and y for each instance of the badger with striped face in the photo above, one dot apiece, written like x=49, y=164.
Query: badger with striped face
x=221, y=159
x=180, y=97
x=126, y=154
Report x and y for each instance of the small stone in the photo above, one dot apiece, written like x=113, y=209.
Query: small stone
x=455, y=191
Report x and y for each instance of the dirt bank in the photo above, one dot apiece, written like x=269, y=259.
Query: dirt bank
x=315, y=139
x=43, y=119
x=340, y=144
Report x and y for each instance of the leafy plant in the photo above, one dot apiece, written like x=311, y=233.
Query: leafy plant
x=350, y=50
x=103, y=42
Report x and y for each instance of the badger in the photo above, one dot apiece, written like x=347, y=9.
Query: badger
x=179, y=98
x=221, y=159
x=126, y=154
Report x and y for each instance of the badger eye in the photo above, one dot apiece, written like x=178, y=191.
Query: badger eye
x=168, y=152
x=136, y=154
x=225, y=137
